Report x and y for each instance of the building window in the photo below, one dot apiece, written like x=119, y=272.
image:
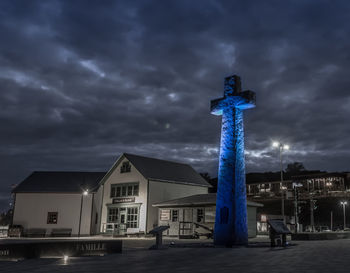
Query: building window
x=174, y=215
x=209, y=214
x=124, y=190
x=126, y=167
x=130, y=190
x=200, y=215
x=132, y=220
x=96, y=218
x=136, y=190
x=52, y=217
x=112, y=215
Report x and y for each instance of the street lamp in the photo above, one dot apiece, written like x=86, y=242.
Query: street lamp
x=85, y=193
x=344, y=203
x=281, y=147
x=296, y=218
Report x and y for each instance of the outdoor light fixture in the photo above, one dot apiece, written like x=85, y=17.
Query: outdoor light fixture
x=281, y=147
x=65, y=258
x=344, y=203
x=85, y=193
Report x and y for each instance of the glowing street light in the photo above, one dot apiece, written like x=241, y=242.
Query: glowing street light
x=65, y=259
x=344, y=203
x=275, y=144
x=281, y=147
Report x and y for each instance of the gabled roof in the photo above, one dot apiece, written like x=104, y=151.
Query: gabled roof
x=196, y=201
x=60, y=182
x=162, y=170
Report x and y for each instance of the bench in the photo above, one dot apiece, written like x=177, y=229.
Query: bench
x=61, y=232
x=135, y=234
x=278, y=232
x=35, y=232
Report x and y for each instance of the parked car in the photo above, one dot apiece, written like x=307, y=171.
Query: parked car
x=15, y=231
x=323, y=229
x=4, y=231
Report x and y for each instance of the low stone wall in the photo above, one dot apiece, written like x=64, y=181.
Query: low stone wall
x=317, y=236
x=58, y=248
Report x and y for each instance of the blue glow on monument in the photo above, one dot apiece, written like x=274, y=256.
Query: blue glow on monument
x=231, y=226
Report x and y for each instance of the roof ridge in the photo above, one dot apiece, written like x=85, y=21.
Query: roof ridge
x=153, y=158
x=69, y=172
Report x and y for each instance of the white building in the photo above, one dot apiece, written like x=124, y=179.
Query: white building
x=194, y=215
x=135, y=183
x=119, y=201
x=52, y=201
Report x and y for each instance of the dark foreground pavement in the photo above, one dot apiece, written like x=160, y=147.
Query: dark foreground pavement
x=312, y=256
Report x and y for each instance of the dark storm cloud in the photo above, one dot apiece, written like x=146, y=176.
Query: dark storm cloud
x=83, y=81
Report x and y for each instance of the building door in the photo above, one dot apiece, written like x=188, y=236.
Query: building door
x=122, y=221
x=186, y=225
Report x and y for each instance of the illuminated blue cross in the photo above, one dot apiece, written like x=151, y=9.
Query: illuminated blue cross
x=231, y=226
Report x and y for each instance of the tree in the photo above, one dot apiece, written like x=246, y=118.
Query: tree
x=5, y=218
x=206, y=176
x=295, y=168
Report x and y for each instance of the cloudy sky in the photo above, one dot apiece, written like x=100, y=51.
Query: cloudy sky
x=83, y=81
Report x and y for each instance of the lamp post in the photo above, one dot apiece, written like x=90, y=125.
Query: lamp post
x=296, y=212
x=85, y=193
x=344, y=203
x=312, y=208
x=281, y=147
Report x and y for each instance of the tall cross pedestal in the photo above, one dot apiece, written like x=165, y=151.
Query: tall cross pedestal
x=231, y=227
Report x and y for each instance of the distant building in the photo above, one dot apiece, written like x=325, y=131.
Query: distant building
x=318, y=194
x=320, y=184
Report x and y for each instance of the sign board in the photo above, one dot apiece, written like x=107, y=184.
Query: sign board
x=123, y=200
x=278, y=226
x=289, y=194
x=165, y=214
x=159, y=229
x=263, y=218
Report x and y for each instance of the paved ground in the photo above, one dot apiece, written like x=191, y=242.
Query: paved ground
x=313, y=256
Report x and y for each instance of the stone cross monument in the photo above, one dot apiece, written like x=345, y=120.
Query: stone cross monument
x=231, y=226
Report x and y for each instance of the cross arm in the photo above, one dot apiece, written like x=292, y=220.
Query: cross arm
x=216, y=106
x=247, y=100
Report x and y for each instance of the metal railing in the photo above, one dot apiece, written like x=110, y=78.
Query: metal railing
x=113, y=229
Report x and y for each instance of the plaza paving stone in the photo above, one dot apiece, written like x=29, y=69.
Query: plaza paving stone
x=304, y=256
